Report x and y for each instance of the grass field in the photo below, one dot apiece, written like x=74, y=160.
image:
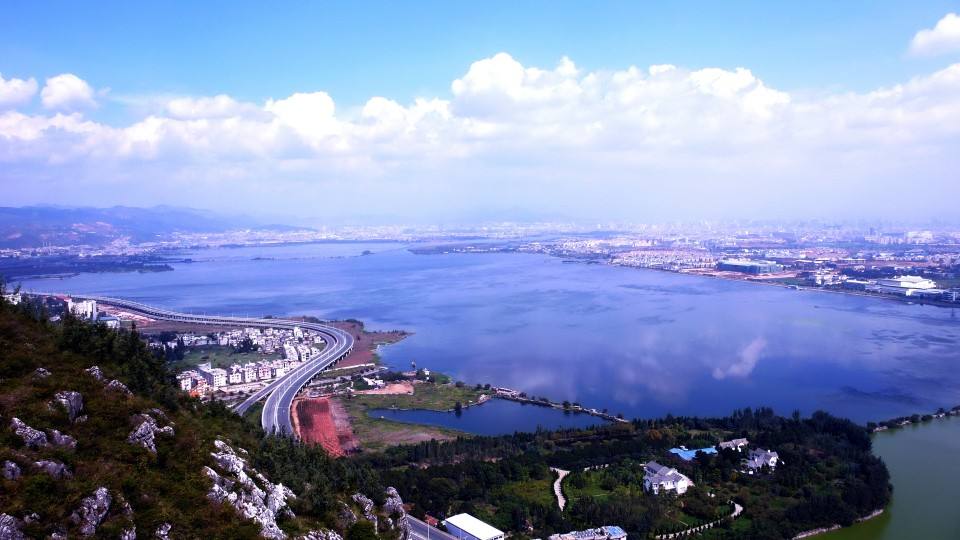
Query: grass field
x=378, y=433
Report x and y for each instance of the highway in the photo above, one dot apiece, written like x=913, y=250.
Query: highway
x=421, y=531
x=279, y=394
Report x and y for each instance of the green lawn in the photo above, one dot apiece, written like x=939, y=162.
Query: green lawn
x=433, y=397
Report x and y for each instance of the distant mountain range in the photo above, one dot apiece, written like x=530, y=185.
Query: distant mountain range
x=53, y=225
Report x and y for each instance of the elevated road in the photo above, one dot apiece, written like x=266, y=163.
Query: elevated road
x=279, y=394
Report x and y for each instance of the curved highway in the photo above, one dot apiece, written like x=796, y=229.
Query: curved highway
x=277, y=410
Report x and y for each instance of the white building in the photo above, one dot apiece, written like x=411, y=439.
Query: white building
x=760, y=458
x=85, y=309
x=735, y=444
x=186, y=380
x=13, y=298
x=607, y=532
x=904, y=285
x=249, y=372
x=467, y=527
x=659, y=478
x=236, y=374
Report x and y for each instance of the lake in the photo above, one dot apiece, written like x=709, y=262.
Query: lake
x=495, y=417
x=639, y=342
x=926, y=478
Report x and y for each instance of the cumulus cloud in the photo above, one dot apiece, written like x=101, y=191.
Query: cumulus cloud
x=625, y=142
x=747, y=360
x=15, y=92
x=67, y=92
x=942, y=38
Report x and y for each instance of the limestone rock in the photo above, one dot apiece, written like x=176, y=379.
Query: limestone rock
x=145, y=432
x=347, y=517
x=394, y=506
x=10, y=528
x=163, y=531
x=95, y=372
x=92, y=511
x=367, y=505
x=238, y=486
x=11, y=471
x=72, y=402
x=60, y=439
x=119, y=387
x=129, y=534
x=33, y=438
x=57, y=470
x=322, y=534
x=41, y=373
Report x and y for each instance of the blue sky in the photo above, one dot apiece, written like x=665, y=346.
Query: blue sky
x=353, y=50
x=133, y=58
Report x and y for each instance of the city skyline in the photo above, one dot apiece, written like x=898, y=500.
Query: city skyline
x=560, y=123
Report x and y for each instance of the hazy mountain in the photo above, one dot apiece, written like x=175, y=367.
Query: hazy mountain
x=54, y=225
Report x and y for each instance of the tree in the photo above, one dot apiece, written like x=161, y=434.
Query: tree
x=361, y=530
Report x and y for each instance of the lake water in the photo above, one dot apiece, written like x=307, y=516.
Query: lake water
x=495, y=417
x=639, y=342
x=926, y=477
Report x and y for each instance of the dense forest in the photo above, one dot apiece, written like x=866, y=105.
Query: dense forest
x=827, y=473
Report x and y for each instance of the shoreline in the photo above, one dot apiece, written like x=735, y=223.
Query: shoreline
x=837, y=527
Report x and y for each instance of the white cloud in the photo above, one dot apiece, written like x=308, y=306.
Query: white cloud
x=67, y=92
x=942, y=38
x=629, y=142
x=16, y=91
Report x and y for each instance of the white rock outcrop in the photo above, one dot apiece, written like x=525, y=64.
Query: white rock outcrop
x=57, y=470
x=145, y=432
x=92, y=511
x=322, y=534
x=41, y=373
x=10, y=528
x=129, y=534
x=11, y=471
x=71, y=401
x=95, y=372
x=119, y=387
x=367, y=506
x=393, y=506
x=263, y=502
x=163, y=531
x=61, y=439
x=34, y=438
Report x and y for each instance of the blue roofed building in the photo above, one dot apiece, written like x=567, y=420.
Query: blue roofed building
x=687, y=454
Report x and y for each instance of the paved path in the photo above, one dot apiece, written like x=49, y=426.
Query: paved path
x=737, y=510
x=557, y=490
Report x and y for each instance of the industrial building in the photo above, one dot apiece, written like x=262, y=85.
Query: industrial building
x=467, y=527
x=904, y=285
x=745, y=266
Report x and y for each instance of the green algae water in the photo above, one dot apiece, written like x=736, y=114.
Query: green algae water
x=924, y=463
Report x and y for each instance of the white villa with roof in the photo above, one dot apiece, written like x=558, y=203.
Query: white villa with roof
x=735, y=444
x=760, y=458
x=659, y=478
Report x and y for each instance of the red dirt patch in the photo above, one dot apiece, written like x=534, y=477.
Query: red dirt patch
x=323, y=421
